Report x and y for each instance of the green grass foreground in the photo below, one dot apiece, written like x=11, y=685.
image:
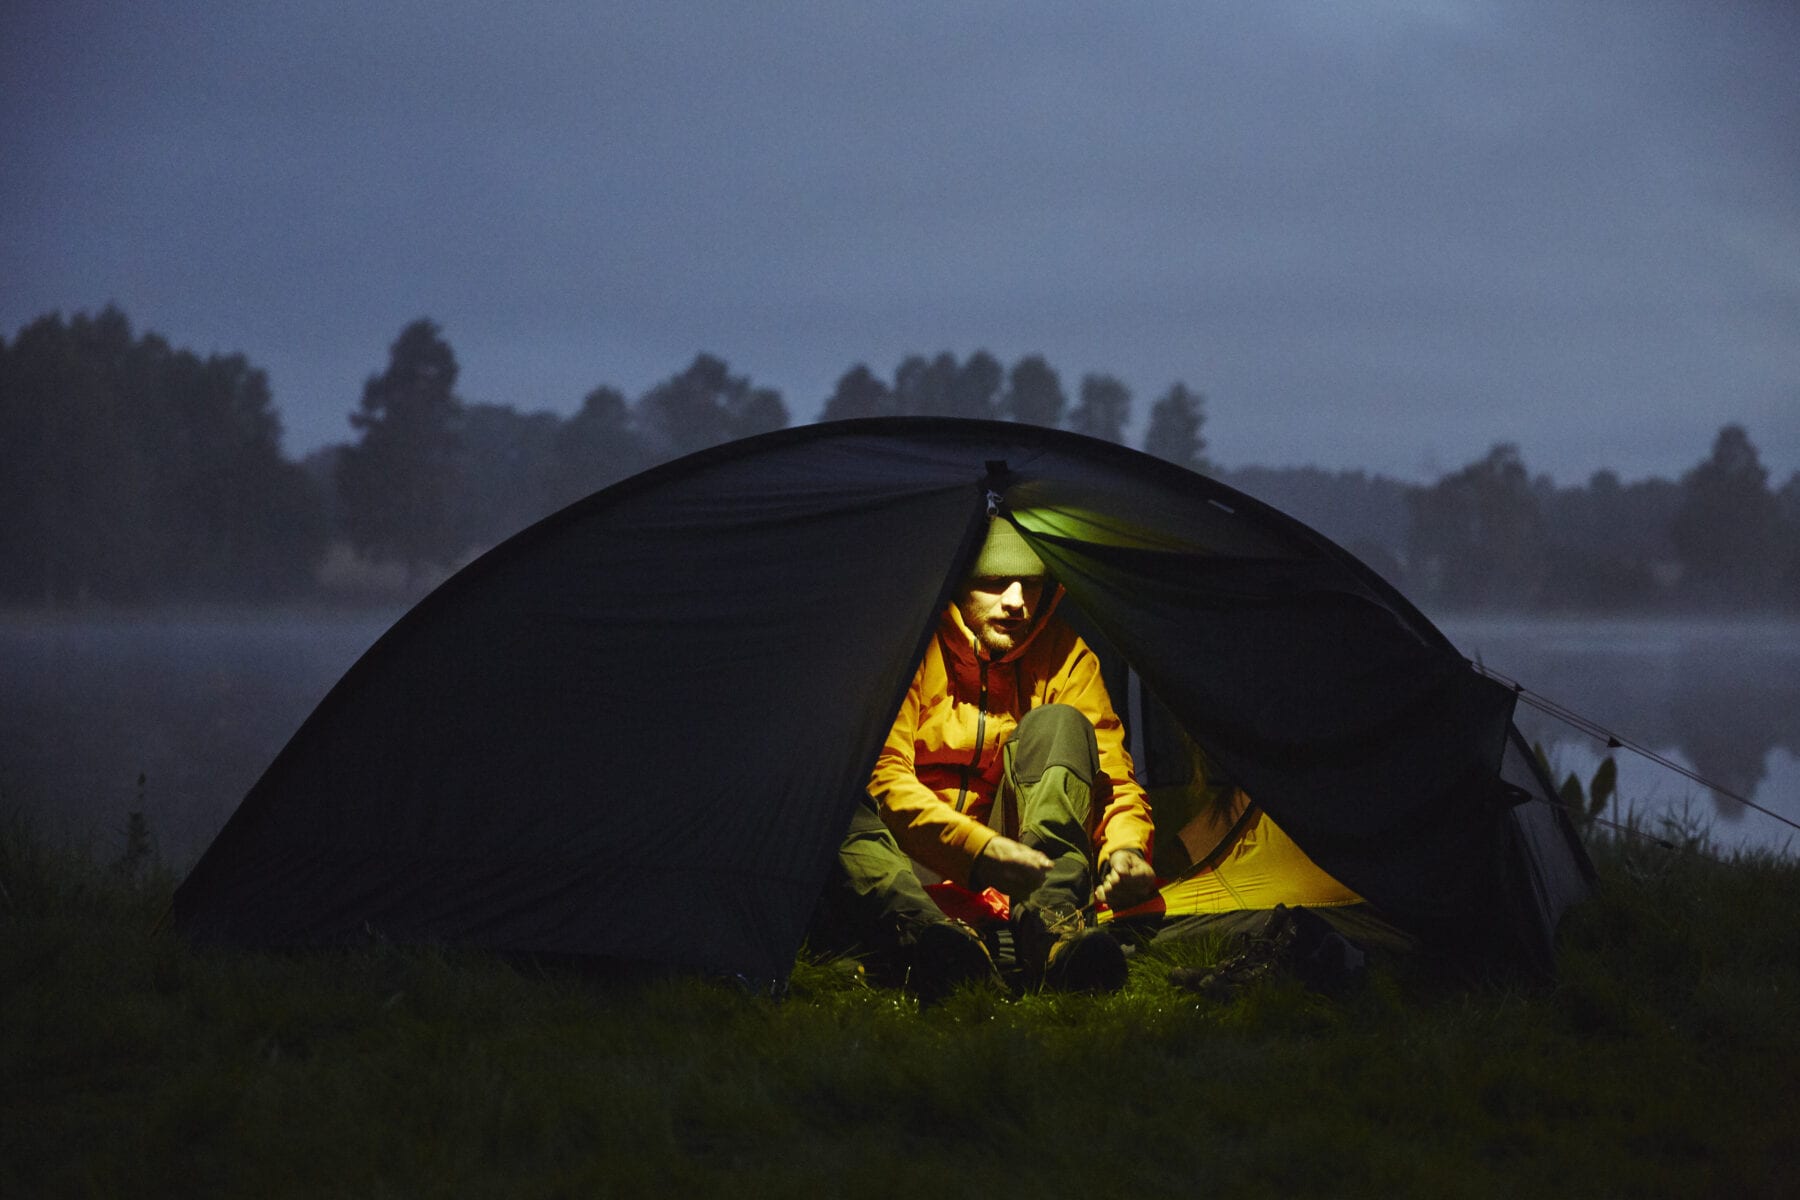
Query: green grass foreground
x=1665, y=1061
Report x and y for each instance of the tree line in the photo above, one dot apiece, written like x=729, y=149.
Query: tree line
x=1491, y=536
x=132, y=472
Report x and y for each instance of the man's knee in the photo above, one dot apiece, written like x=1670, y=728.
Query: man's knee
x=869, y=852
x=866, y=824
x=1054, y=735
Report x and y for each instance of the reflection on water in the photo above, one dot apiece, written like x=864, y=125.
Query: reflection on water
x=1722, y=698
x=199, y=705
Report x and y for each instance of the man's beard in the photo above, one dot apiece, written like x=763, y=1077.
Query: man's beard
x=996, y=642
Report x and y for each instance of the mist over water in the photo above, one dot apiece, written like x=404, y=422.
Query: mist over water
x=1719, y=696
x=197, y=704
x=200, y=703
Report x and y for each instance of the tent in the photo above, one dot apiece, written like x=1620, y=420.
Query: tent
x=633, y=732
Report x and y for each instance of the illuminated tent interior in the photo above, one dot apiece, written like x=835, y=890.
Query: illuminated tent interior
x=633, y=733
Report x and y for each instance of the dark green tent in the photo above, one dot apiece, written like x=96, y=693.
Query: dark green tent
x=634, y=731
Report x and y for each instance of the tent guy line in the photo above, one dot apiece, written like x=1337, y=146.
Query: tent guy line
x=1599, y=732
x=1634, y=831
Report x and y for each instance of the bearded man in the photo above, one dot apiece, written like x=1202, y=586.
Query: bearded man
x=1005, y=768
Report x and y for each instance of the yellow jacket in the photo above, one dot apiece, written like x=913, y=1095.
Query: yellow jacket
x=940, y=767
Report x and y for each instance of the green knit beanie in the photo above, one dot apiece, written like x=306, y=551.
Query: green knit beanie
x=1005, y=555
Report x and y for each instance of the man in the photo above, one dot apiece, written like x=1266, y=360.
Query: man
x=1005, y=768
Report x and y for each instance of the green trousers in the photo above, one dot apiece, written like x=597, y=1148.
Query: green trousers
x=874, y=904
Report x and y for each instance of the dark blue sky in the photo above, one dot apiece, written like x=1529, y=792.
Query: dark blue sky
x=1383, y=235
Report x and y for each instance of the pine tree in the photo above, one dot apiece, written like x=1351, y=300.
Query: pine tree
x=1104, y=409
x=1034, y=394
x=1727, y=531
x=397, y=484
x=1174, y=430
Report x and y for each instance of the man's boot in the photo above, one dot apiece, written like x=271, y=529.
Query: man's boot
x=945, y=956
x=1059, y=951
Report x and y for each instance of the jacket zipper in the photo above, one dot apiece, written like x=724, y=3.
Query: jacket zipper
x=962, y=792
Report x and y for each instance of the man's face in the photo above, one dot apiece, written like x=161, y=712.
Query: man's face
x=999, y=610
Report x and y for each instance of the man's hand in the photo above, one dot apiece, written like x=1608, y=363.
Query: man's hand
x=1129, y=881
x=1011, y=867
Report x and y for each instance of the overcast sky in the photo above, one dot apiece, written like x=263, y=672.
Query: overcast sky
x=1378, y=234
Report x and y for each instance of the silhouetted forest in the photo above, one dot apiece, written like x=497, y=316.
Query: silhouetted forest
x=134, y=473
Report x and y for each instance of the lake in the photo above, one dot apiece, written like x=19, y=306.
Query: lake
x=1720, y=697
x=198, y=704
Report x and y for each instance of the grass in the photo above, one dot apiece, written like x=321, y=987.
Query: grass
x=1662, y=1062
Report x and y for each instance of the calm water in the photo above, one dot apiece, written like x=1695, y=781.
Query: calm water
x=1719, y=697
x=198, y=705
